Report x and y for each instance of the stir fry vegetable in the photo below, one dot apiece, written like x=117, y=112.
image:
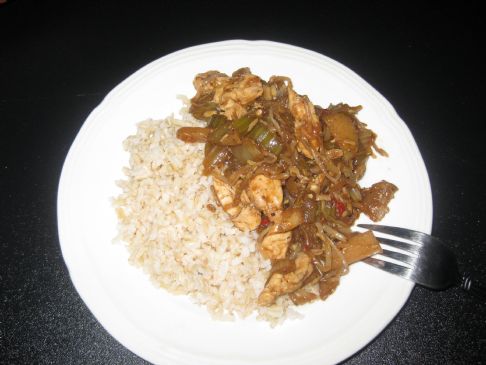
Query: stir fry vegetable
x=290, y=170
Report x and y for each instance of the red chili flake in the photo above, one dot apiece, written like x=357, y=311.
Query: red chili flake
x=340, y=207
x=264, y=222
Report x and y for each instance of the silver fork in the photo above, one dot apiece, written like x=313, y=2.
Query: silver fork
x=427, y=261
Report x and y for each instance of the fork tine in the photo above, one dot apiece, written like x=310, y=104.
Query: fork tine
x=409, y=234
x=410, y=260
x=413, y=249
x=390, y=267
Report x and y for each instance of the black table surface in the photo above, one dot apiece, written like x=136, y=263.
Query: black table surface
x=59, y=59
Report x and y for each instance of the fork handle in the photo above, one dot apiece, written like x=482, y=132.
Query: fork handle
x=469, y=284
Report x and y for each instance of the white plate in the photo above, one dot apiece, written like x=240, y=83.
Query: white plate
x=167, y=329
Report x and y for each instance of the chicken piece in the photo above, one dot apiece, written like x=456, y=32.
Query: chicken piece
x=226, y=194
x=266, y=195
x=307, y=124
x=274, y=245
x=280, y=284
x=242, y=89
x=234, y=95
x=207, y=82
x=244, y=215
x=231, y=94
x=249, y=217
x=276, y=241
